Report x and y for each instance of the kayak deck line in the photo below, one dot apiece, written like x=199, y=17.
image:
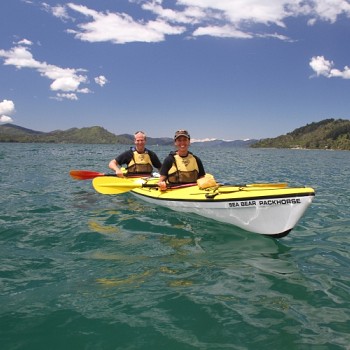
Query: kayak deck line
x=209, y=198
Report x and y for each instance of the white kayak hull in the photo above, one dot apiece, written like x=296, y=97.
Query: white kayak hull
x=267, y=215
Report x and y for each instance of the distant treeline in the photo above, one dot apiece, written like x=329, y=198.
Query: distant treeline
x=89, y=135
x=326, y=134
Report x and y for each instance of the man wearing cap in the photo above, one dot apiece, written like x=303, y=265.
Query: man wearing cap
x=180, y=166
x=140, y=161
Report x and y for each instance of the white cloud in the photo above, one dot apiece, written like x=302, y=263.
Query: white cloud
x=20, y=57
x=5, y=119
x=101, y=80
x=66, y=82
x=120, y=28
x=6, y=107
x=24, y=42
x=236, y=12
x=58, y=11
x=217, y=18
x=63, y=79
x=323, y=67
x=84, y=91
x=222, y=32
x=189, y=15
x=329, y=10
x=71, y=96
x=272, y=11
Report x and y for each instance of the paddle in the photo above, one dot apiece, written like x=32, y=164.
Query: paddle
x=121, y=185
x=117, y=185
x=88, y=174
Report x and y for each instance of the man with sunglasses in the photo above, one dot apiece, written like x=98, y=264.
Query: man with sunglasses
x=181, y=166
x=139, y=160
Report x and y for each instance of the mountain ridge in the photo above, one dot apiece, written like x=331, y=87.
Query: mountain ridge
x=326, y=134
x=89, y=135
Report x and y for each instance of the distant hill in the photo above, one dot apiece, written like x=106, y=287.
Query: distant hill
x=15, y=130
x=326, y=134
x=93, y=135
x=89, y=135
x=96, y=134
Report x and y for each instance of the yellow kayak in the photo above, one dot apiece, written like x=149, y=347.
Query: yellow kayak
x=268, y=209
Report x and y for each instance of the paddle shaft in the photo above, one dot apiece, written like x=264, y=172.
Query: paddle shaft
x=89, y=175
x=119, y=185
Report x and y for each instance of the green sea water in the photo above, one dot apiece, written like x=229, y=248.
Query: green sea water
x=80, y=270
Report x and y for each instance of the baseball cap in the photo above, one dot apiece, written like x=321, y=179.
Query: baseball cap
x=181, y=133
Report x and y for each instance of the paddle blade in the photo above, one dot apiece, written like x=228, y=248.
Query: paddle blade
x=84, y=174
x=115, y=185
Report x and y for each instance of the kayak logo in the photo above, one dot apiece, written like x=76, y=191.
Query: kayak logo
x=280, y=201
x=264, y=202
x=242, y=204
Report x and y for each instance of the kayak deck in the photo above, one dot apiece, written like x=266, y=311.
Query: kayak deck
x=222, y=193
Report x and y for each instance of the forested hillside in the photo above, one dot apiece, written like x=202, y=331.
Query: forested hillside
x=89, y=135
x=326, y=134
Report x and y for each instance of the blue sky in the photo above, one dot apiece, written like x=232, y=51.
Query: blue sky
x=227, y=69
